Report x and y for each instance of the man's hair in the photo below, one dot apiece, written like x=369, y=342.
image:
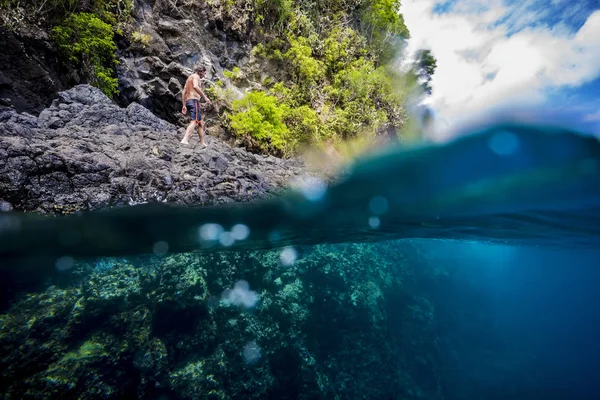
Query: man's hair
x=199, y=69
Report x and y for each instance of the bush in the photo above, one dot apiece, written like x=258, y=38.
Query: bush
x=235, y=74
x=385, y=16
x=303, y=123
x=15, y=13
x=87, y=42
x=341, y=47
x=383, y=25
x=49, y=12
x=273, y=14
x=116, y=13
x=274, y=125
x=306, y=69
x=260, y=117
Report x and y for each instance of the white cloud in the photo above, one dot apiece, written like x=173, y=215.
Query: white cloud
x=593, y=117
x=490, y=55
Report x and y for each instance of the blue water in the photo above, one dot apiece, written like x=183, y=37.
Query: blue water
x=477, y=262
x=538, y=338
x=509, y=183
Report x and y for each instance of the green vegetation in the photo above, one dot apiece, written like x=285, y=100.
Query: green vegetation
x=142, y=38
x=339, y=85
x=15, y=13
x=424, y=68
x=273, y=14
x=323, y=69
x=305, y=69
x=82, y=31
x=260, y=117
x=383, y=24
x=116, y=13
x=221, y=95
x=51, y=12
x=86, y=40
x=234, y=74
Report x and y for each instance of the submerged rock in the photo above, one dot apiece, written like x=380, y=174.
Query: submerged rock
x=85, y=153
x=147, y=327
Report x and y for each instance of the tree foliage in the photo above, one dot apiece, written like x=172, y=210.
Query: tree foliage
x=18, y=12
x=52, y=12
x=260, y=117
x=425, y=65
x=338, y=86
x=83, y=31
x=304, y=67
x=87, y=41
x=266, y=122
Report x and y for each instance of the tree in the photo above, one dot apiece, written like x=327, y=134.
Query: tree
x=424, y=68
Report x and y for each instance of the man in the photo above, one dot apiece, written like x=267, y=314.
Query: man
x=190, y=99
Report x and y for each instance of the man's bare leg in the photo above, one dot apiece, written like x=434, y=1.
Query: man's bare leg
x=201, y=134
x=188, y=132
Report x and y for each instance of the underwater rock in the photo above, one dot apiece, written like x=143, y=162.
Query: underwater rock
x=86, y=153
x=154, y=326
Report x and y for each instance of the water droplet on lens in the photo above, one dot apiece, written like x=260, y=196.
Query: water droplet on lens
x=251, y=352
x=210, y=231
x=226, y=239
x=288, y=256
x=240, y=232
x=160, y=248
x=504, y=143
x=374, y=222
x=378, y=205
x=64, y=263
x=241, y=295
x=312, y=188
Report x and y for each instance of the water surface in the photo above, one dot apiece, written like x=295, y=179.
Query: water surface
x=467, y=270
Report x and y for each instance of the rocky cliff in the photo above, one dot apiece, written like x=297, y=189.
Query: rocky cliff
x=165, y=41
x=31, y=73
x=172, y=40
x=85, y=152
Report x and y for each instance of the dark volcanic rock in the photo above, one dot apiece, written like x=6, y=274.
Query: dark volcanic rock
x=30, y=72
x=84, y=152
x=151, y=70
x=177, y=40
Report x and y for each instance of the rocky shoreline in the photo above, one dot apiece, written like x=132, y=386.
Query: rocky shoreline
x=85, y=152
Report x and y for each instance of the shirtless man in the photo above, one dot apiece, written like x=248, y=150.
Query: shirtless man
x=190, y=99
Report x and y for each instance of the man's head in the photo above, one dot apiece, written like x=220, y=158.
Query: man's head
x=200, y=70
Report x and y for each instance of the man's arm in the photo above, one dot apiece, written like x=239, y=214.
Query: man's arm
x=183, y=98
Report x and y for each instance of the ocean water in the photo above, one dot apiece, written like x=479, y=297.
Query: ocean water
x=468, y=270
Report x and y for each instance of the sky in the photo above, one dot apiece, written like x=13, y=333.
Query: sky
x=538, y=55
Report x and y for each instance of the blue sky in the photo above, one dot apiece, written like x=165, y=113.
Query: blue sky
x=528, y=54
